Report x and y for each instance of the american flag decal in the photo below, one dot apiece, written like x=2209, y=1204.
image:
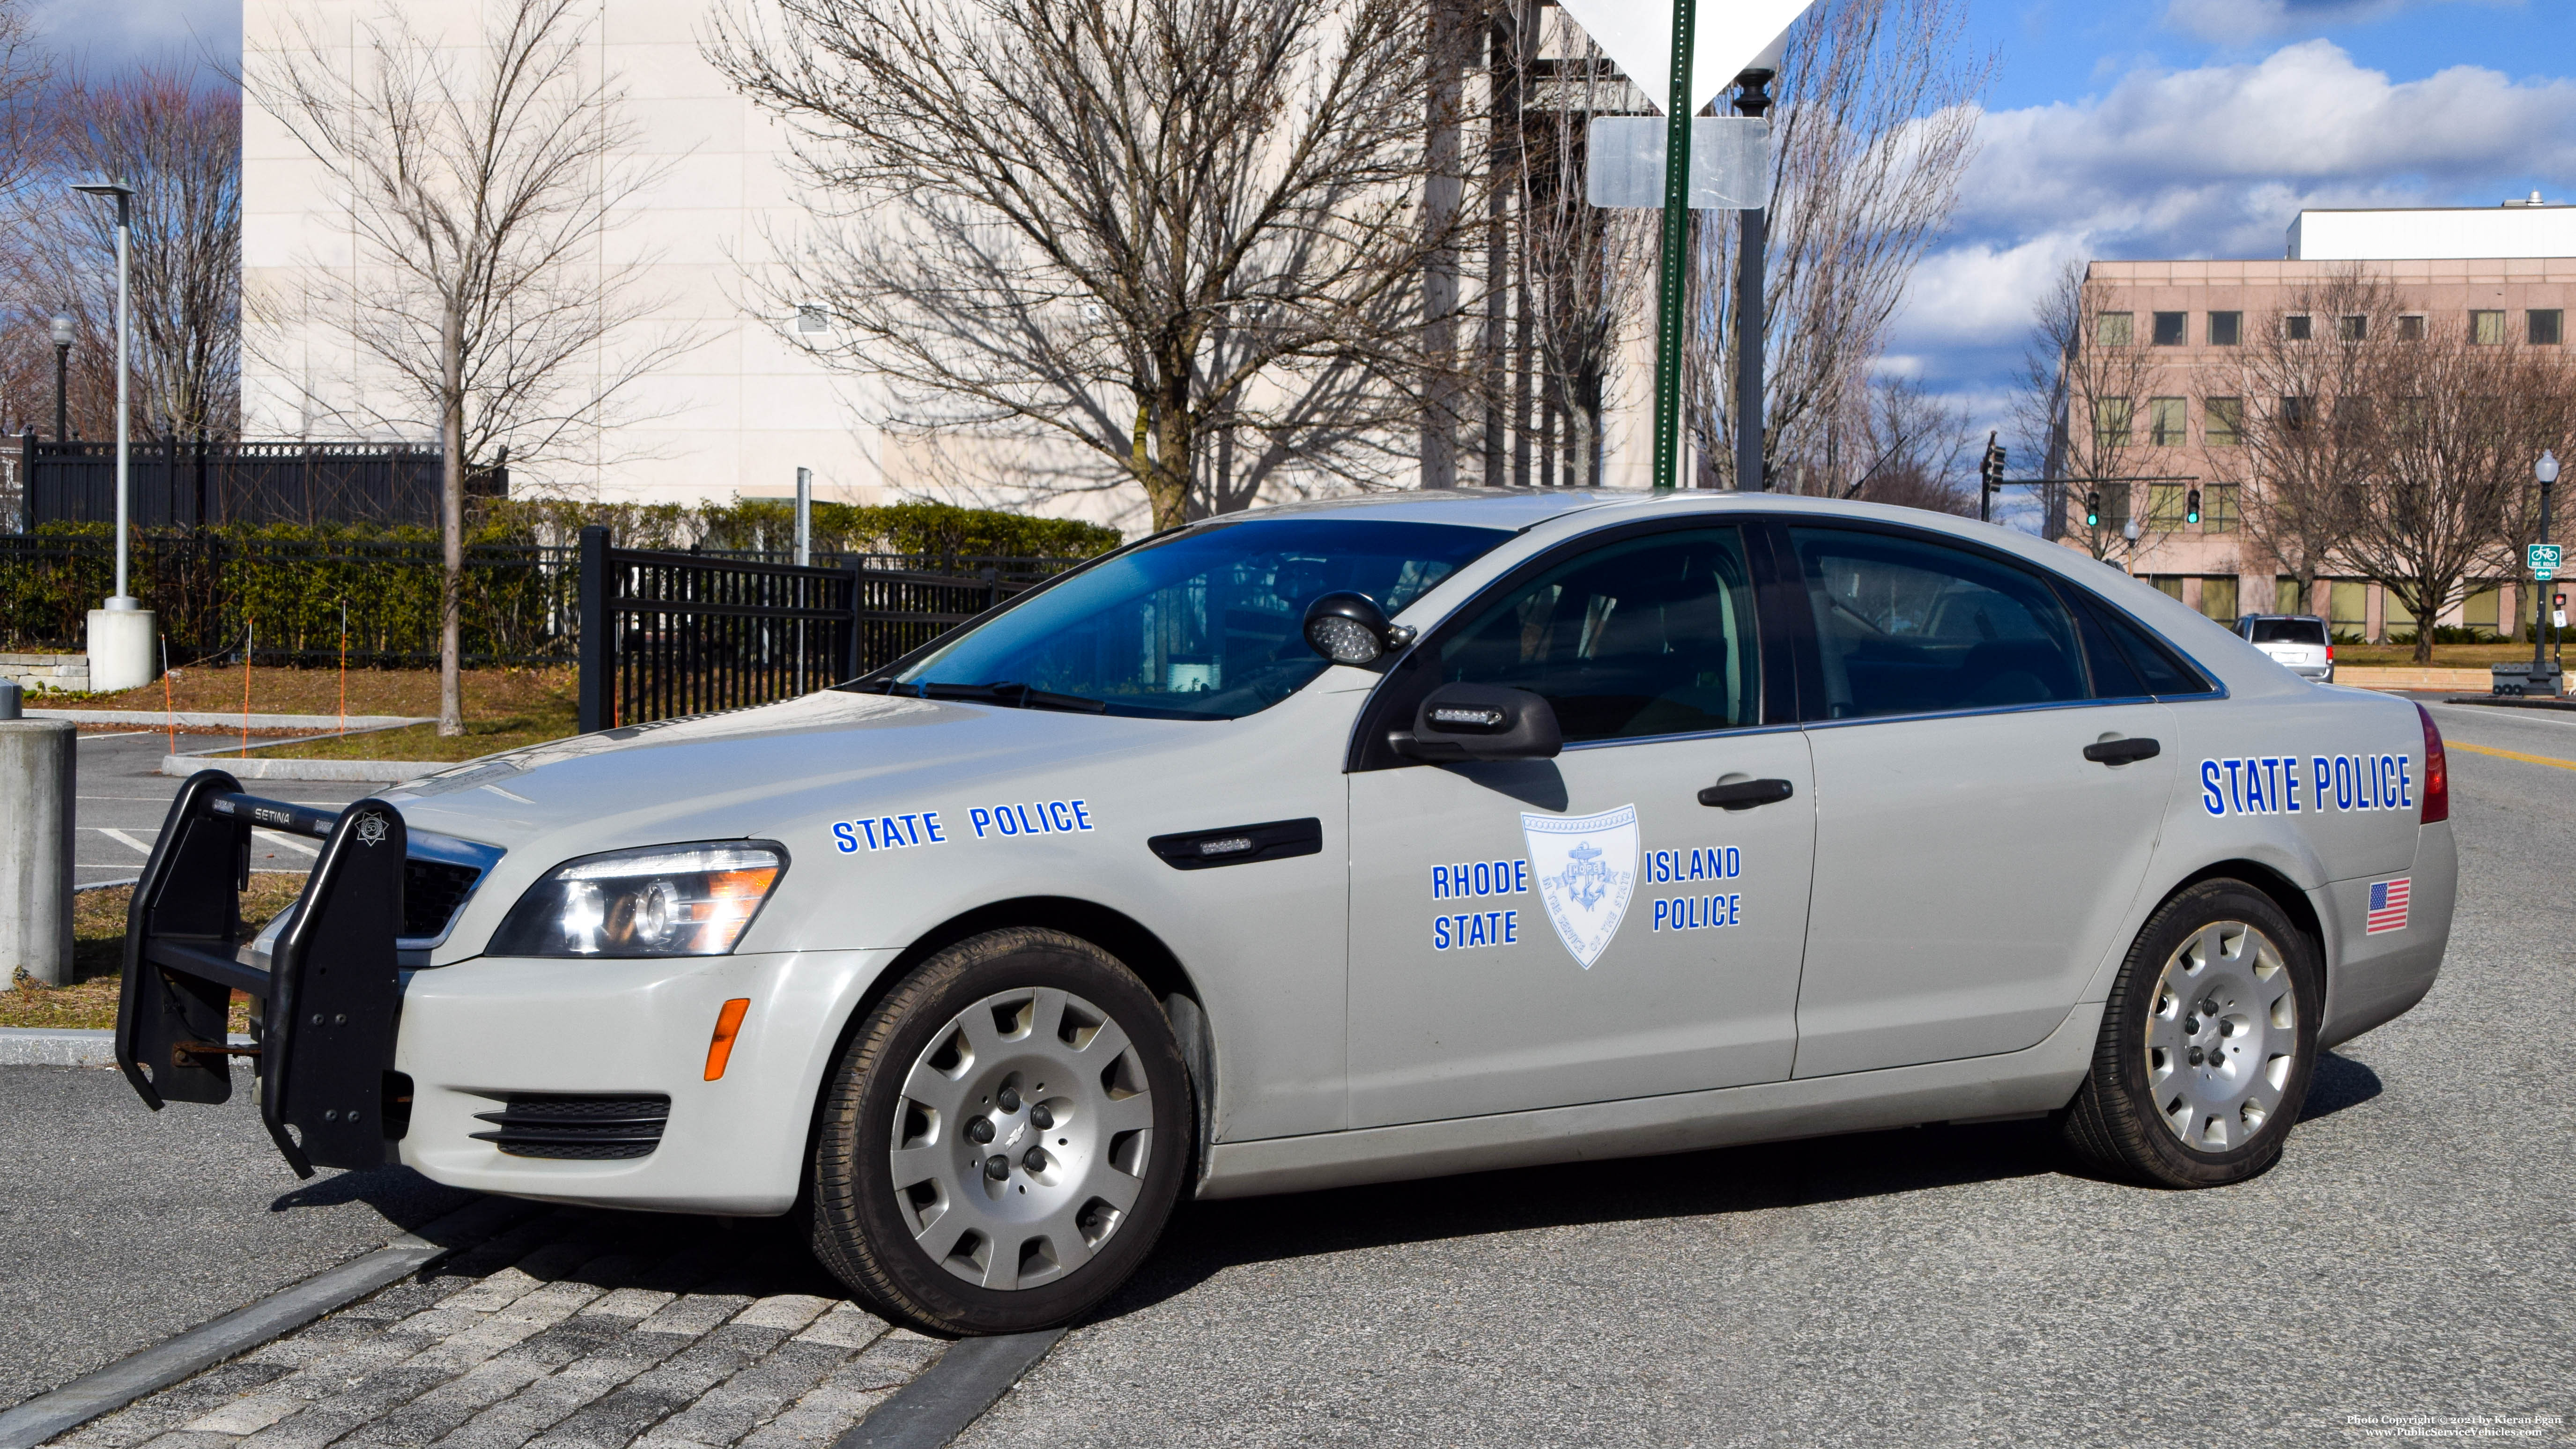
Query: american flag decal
x=2387, y=906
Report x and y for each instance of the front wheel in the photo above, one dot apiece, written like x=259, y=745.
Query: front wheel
x=1004, y=1138
x=2207, y=1043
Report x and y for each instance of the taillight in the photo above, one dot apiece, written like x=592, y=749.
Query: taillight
x=2330, y=654
x=2437, y=771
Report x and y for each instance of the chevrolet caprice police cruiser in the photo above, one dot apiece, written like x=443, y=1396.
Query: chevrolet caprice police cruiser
x=1341, y=843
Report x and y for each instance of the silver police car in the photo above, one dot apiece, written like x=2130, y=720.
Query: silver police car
x=1374, y=839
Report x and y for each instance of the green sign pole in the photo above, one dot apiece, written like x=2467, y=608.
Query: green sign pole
x=1672, y=308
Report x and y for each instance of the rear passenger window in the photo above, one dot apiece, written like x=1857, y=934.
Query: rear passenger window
x=1909, y=627
x=2162, y=672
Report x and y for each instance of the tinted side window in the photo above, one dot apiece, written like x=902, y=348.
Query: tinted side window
x=2160, y=669
x=2289, y=631
x=1653, y=636
x=1909, y=627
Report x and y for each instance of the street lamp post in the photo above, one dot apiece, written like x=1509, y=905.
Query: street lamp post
x=120, y=642
x=62, y=377
x=2546, y=470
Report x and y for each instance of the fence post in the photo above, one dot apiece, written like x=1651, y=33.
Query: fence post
x=598, y=651
x=850, y=630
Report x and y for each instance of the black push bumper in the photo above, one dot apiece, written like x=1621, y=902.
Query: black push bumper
x=327, y=1001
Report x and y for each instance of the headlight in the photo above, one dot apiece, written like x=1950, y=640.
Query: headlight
x=666, y=900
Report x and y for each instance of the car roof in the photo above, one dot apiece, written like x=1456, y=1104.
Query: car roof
x=1512, y=508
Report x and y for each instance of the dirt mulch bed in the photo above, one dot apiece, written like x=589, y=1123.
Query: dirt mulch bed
x=98, y=958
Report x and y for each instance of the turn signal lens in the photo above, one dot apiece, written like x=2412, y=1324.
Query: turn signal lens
x=667, y=900
x=2437, y=771
x=728, y=1025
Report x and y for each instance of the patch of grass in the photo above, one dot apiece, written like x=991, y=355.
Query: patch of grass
x=2445, y=656
x=489, y=693
x=98, y=958
x=423, y=742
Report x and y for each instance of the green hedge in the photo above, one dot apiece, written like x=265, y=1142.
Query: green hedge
x=290, y=584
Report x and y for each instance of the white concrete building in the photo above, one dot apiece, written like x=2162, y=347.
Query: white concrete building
x=737, y=415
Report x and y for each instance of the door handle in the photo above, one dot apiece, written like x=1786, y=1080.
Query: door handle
x=1745, y=794
x=2122, y=752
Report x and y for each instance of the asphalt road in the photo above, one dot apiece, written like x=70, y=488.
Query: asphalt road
x=124, y=1226
x=124, y=797
x=2414, y=1254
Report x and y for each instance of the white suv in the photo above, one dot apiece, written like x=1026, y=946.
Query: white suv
x=2297, y=642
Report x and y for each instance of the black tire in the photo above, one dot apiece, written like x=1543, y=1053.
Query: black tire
x=865, y=1222
x=2136, y=1115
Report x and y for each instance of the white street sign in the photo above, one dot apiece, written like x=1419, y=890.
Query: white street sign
x=1730, y=162
x=1727, y=36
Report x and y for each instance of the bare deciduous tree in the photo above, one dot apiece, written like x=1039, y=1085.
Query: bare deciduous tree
x=2455, y=426
x=1122, y=230
x=478, y=185
x=1917, y=444
x=2303, y=398
x=1873, y=126
x=2084, y=381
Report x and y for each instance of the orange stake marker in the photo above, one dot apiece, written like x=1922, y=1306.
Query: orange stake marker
x=728, y=1022
x=168, y=710
x=250, y=640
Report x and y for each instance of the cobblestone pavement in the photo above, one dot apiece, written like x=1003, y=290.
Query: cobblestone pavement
x=572, y=1328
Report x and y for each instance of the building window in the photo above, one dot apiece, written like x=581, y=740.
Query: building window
x=2115, y=505
x=2483, y=609
x=2169, y=585
x=2348, y=606
x=811, y=319
x=2226, y=329
x=2115, y=329
x=2410, y=328
x=2486, y=328
x=2172, y=328
x=2298, y=327
x=2394, y=614
x=2166, y=507
x=2223, y=419
x=2218, y=597
x=2352, y=329
x=2167, y=425
x=2549, y=328
x=2287, y=597
x=2218, y=510
x=2297, y=413
x=2113, y=417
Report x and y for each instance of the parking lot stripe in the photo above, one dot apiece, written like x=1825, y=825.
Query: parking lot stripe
x=952, y=1393
x=121, y=838
x=2510, y=754
x=290, y=842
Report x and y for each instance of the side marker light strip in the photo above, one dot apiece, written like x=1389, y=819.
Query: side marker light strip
x=728, y=1023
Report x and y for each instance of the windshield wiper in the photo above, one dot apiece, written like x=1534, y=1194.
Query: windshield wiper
x=1015, y=696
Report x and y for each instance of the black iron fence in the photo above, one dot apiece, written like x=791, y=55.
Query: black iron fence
x=667, y=634
x=173, y=484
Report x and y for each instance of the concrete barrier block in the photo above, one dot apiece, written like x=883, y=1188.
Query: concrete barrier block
x=38, y=764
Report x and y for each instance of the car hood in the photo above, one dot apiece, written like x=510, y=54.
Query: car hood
x=732, y=775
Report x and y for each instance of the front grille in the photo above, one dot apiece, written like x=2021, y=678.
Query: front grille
x=590, y=1128
x=432, y=890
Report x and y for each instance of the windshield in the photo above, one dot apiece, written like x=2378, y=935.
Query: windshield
x=2289, y=631
x=1204, y=624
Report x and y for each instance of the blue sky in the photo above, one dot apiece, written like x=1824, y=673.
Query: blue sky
x=2115, y=128
x=2198, y=128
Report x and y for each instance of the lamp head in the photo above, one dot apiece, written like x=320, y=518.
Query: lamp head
x=103, y=187
x=62, y=330
x=2547, y=469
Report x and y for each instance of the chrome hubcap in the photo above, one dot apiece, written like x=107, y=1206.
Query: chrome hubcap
x=1022, y=1138
x=2222, y=1036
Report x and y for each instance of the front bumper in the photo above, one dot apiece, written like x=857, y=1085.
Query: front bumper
x=480, y=1034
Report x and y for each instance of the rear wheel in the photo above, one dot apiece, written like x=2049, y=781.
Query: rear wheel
x=2207, y=1043
x=1004, y=1138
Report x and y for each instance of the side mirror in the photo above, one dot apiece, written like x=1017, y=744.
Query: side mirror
x=1481, y=722
x=1349, y=628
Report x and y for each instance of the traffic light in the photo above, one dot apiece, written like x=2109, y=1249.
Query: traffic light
x=1994, y=466
x=2191, y=507
x=2092, y=510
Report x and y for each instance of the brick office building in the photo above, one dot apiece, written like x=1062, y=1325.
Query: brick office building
x=2502, y=272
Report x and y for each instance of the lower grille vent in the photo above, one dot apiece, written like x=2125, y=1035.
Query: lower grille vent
x=432, y=890
x=588, y=1128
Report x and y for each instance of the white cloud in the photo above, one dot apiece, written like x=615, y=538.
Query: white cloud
x=113, y=34
x=2216, y=161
